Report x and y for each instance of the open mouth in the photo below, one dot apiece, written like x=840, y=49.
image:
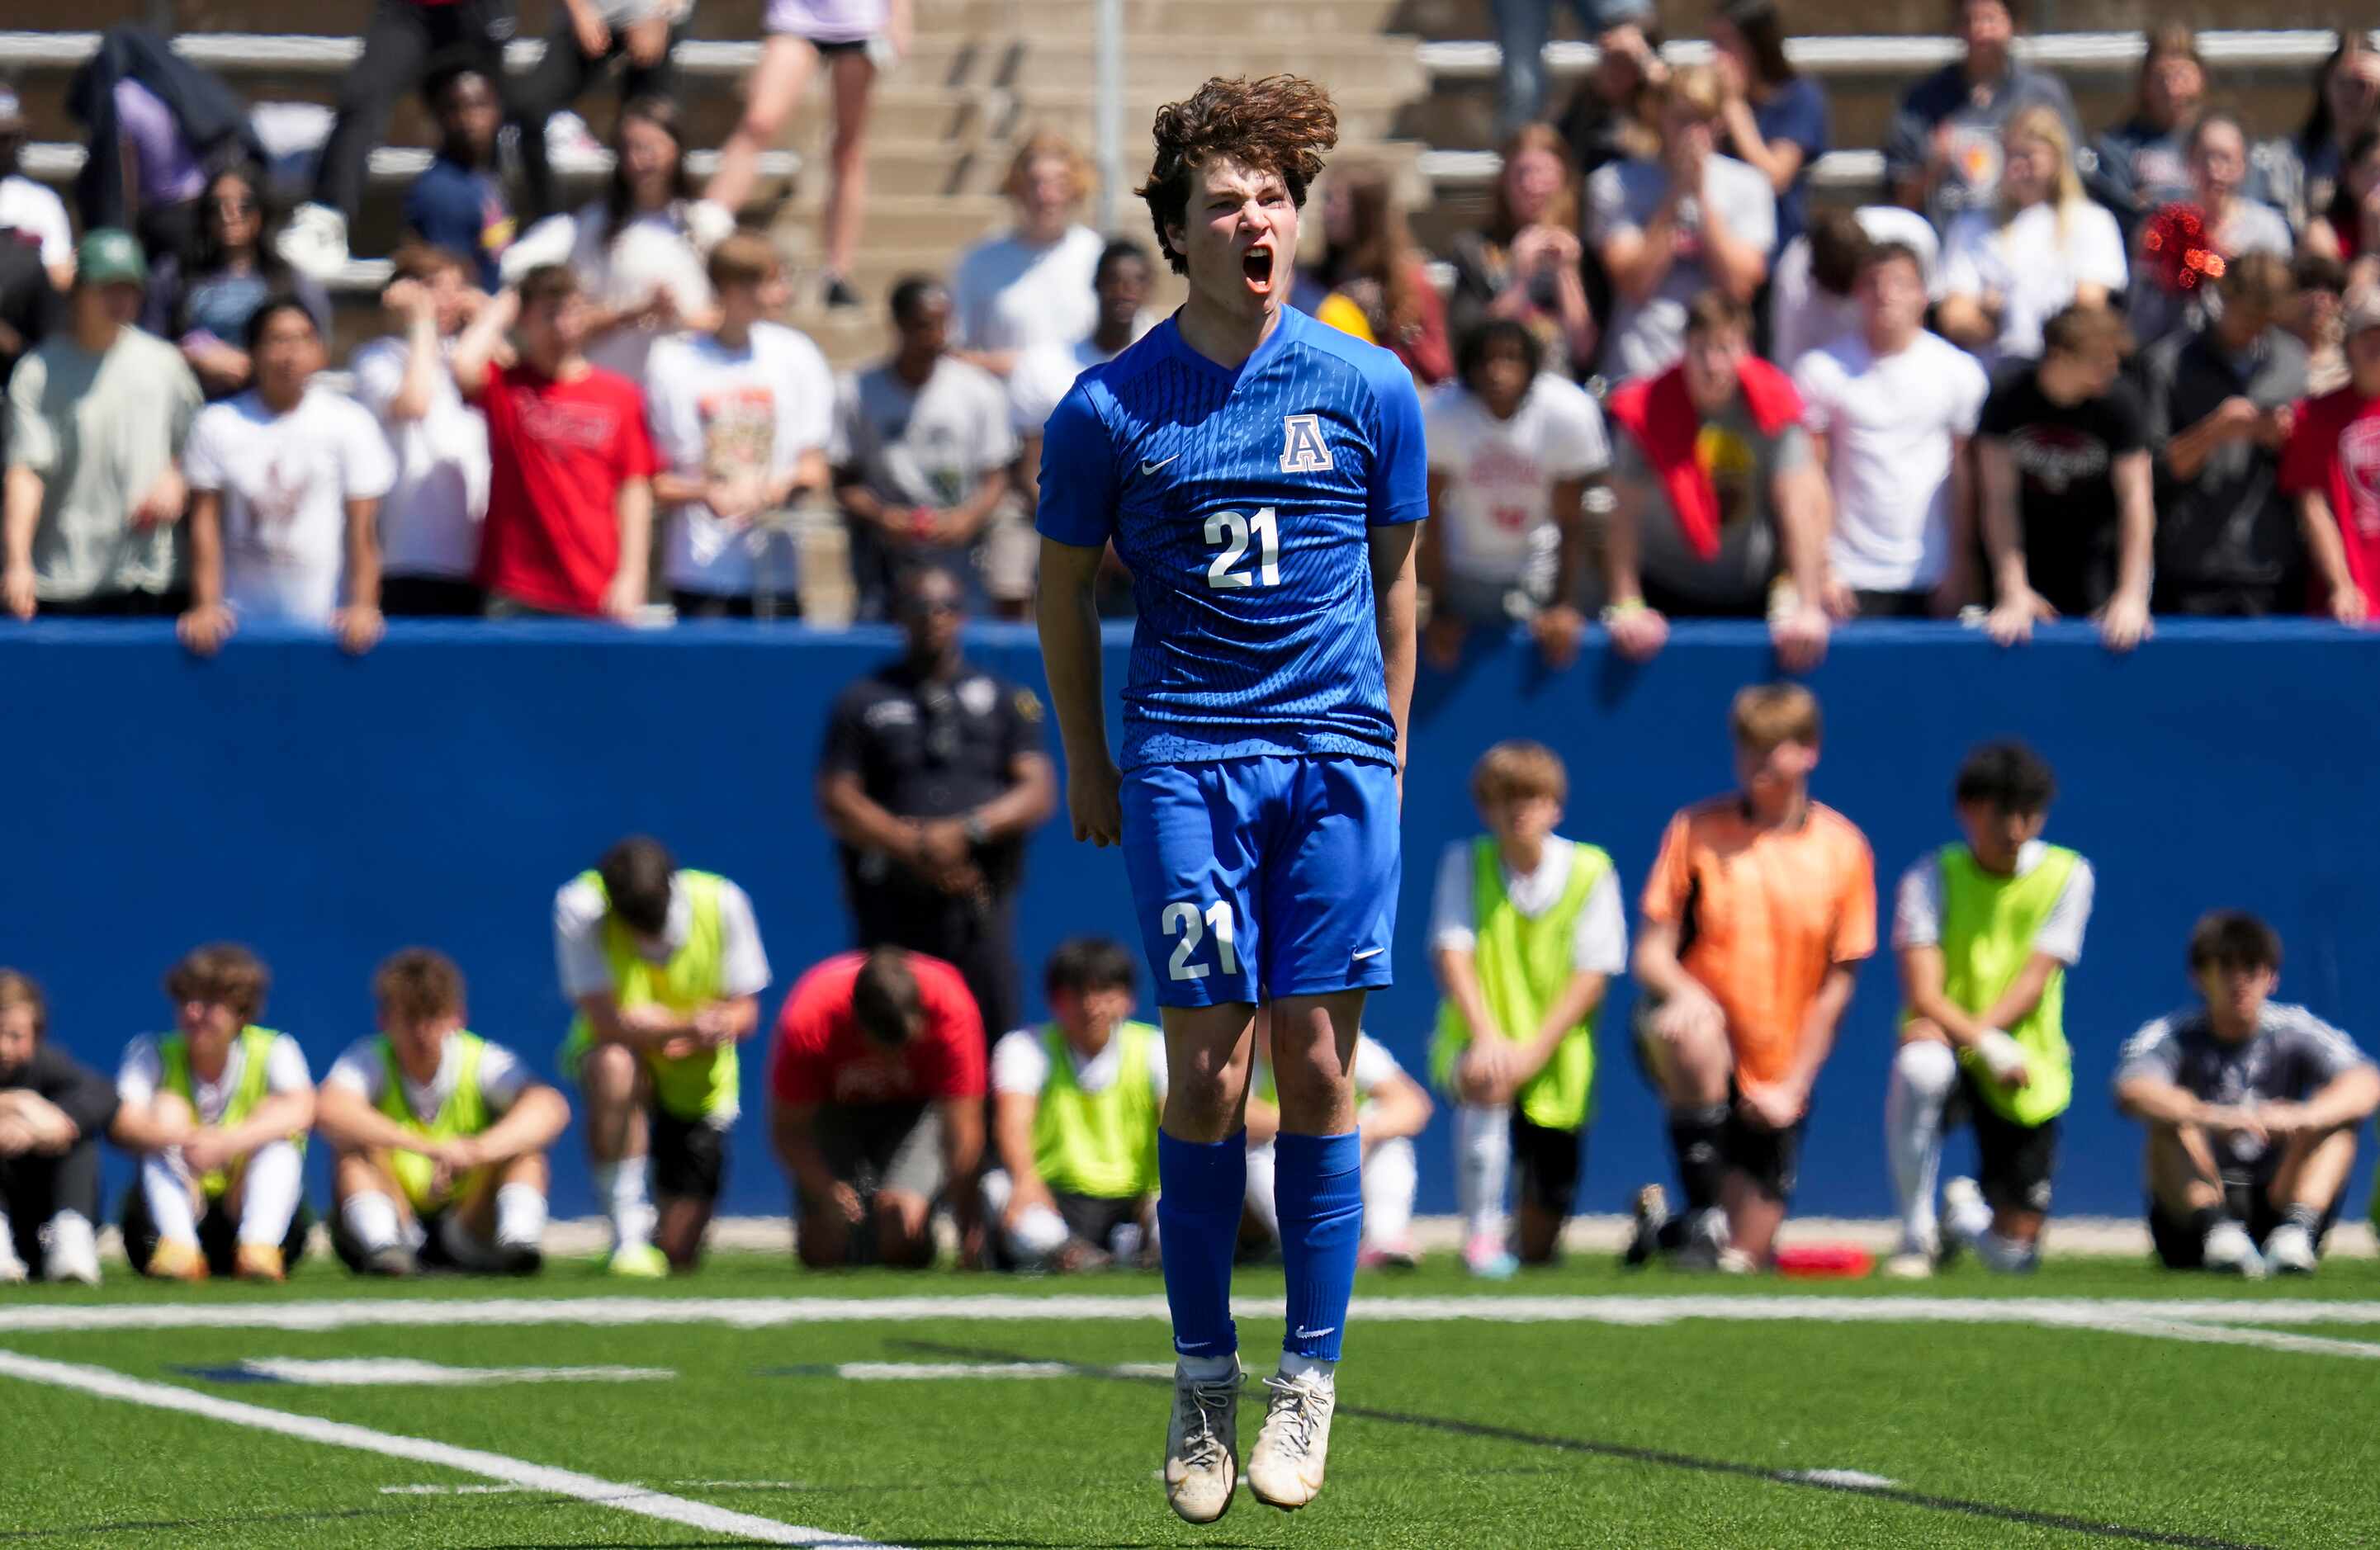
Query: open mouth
x=1257, y=264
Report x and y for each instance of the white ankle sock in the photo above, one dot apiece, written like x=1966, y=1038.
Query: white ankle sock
x=1923, y=1073
x=2006, y=1255
x=274, y=1177
x=1207, y=1369
x=372, y=1221
x=166, y=1189
x=1483, y=1166
x=624, y=1189
x=1295, y=1366
x=520, y=1216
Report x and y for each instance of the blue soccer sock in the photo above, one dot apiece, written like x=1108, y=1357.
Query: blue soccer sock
x=1319, y=1188
x=1202, y=1189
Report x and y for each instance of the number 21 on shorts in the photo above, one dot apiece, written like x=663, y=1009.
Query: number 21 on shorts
x=1183, y=920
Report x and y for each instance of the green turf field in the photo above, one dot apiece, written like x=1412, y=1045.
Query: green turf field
x=2095, y=1403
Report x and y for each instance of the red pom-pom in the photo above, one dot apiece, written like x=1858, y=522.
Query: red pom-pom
x=2179, y=250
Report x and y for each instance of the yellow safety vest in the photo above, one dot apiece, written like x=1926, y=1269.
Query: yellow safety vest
x=1101, y=1145
x=464, y=1112
x=691, y=1086
x=1990, y=924
x=1522, y=965
x=256, y=1050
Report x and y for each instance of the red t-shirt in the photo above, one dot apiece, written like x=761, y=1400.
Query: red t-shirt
x=560, y=450
x=2335, y=451
x=822, y=1057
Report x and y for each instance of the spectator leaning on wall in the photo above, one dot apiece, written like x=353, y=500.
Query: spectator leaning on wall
x=97, y=417
x=2331, y=466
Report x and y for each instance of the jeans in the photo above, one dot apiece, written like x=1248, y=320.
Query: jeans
x=1521, y=30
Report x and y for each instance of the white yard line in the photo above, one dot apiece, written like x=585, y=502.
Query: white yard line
x=763, y=1313
x=105, y=1385
x=382, y=1371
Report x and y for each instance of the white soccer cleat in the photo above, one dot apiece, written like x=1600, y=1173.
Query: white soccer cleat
x=1202, y=1447
x=315, y=242
x=1285, y=1470
x=2230, y=1251
x=2288, y=1251
x=1910, y=1265
x=70, y=1252
x=12, y=1269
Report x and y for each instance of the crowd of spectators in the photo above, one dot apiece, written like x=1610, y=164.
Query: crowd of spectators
x=1978, y=400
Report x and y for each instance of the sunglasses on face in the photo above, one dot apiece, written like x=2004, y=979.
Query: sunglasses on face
x=237, y=205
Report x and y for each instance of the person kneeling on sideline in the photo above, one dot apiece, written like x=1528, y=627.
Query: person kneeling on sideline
x=876, y=1091
x=665, y=967
x=1528, y=930
x=441, y=1135
x=2252, y=1109
x=52, y=1112
x=1075, y=1108
x=219, y=1111
x=1390, y=1109
x=1985, y=932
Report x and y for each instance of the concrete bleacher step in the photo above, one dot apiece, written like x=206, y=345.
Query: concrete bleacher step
x=1474, y=19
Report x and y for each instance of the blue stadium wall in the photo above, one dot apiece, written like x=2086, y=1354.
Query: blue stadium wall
x=328, y=810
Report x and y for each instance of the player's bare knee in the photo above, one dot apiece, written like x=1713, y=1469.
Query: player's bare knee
x=608, y=1074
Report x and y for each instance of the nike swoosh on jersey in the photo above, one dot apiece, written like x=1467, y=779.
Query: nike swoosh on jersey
x=1148, y=468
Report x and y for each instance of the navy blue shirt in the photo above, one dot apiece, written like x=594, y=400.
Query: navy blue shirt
x=1243, y=500
x=1796, y=113
x=461, y=209
x=1974, y=116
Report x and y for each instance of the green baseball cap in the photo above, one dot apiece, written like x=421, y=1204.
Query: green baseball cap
x=109, y=257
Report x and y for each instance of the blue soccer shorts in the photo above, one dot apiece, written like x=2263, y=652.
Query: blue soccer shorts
x=1255, y=879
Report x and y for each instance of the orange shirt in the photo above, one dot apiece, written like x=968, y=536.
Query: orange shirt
x=1762, y=914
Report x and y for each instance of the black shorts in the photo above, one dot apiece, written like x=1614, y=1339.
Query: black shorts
x=689, y=1157
x=2014, y=1162
x=218, y=1234
x=2249, y=1203
x=1095, y=1218
x=1549, y=1163
x=874, y=1146
x=843, y=46
x=1771, y=1159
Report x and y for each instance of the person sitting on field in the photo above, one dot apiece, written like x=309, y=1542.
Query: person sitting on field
x=1985, y=932
x=218, y=1109
x=52, y=1112
x=1075, y=1108
x=439, y=1135
x=1527, y=931
x=1760, y=908
x=877, y=1108
x=665, y=966
x=2252, y=1108
x=1390, y=1109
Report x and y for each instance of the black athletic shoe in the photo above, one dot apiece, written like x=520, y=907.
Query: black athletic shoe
x=391, y=1261
x=519, y=1259
x=1652, y=1215
x=839, y=294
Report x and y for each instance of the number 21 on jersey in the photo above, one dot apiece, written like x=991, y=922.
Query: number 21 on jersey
x=1231, y=531
x=1183, y=920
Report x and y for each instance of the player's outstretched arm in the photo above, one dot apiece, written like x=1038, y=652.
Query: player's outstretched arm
x=1394, y=609
x=1064, y=609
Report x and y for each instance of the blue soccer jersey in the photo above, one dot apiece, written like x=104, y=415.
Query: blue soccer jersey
x=1242, y=501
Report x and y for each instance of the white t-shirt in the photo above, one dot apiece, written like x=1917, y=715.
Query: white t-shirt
x=285, y=481
x=142, y=1073
x=1020, y=1064
x=721, y=413
x=1008, y=294
x=1043, y=374
x=1891, y=425
x=429, y=519
x=1917, y=911
x=578, y=914
x=1499, y=474
x=29, y=207
x=2026, y=265
x=362, y=1068
x=1802, y=317
x=1647, y=337
x=623, y=269
x=923, y=447
x=1598, y=942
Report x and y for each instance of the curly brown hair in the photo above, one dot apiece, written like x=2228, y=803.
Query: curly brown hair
x=416, y=985
x=222, y=972
x=1280, y=124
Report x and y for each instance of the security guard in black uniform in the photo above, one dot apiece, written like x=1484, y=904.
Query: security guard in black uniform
x=933, y=774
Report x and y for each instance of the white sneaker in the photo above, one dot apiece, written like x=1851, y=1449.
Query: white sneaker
x=1910, y=1265
x=1285, y=1470
x=1732, y=1261
x=315, y=242
x=2288, y=1250
x=70, y=1252
x=2230, y=1251
x=1202, y=1447
x=12, y=1269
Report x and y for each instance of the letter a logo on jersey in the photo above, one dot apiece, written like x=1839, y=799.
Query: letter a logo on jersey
x=1301, y=447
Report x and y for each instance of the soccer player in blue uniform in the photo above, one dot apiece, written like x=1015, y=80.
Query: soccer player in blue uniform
x=1262, y=476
